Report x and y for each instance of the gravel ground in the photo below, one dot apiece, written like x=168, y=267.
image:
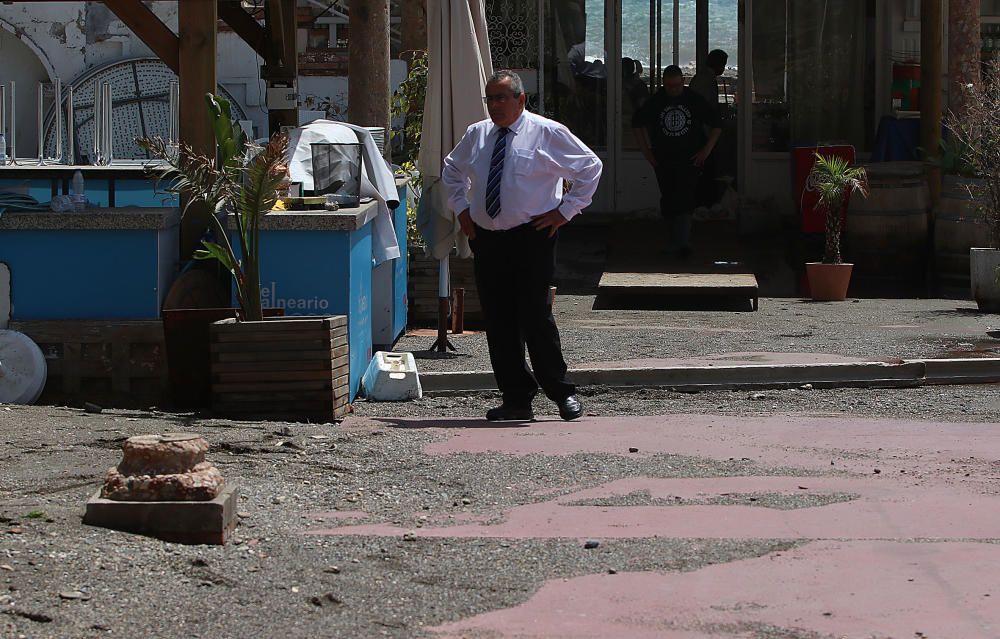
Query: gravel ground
x=871, y=329
x=947, y=403
x=59, y=578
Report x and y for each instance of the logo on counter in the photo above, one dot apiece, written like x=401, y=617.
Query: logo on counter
x=269, y=298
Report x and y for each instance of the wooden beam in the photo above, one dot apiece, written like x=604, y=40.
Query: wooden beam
x=931, y=41
x=148, y=28
x=281, y=66
x=244, y=24
x=413, y=26
x=368, y=64
x=197, y=22
x=964, y=42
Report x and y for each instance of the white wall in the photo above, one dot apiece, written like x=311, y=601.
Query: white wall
x=22, y=66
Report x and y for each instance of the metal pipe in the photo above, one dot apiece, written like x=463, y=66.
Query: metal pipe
x=110, y=117
x=106, y=113
x=41, y=124
x=98, y=124
x=57, y=106
x=3, y=124
x=659, y=42
x=13, y=123
x=677, y=32
x=173, y=125
x=70, y=125
x=652, y=46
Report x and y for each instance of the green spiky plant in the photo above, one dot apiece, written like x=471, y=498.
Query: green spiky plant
x=242, y=181
x=835, y=180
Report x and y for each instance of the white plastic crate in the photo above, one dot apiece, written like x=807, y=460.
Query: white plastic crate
x=392, y=377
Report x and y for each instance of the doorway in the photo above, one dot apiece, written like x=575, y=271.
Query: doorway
x=590, y=63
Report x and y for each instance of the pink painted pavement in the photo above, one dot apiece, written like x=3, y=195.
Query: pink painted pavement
x=835, y=589
x=908, y=556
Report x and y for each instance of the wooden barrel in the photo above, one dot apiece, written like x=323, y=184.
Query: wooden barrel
x=959, y=224
x=887, y=232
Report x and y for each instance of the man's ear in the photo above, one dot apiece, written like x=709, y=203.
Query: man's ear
x=522, y=99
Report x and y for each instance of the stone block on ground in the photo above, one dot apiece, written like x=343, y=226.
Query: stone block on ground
x=185, y=522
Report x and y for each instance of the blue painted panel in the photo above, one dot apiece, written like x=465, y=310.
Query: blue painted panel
x=97, y=191
x=360, y=318
x=40, y=189
x=322, y=273
x=104, y=274
x=400, y=302
x=142, y=193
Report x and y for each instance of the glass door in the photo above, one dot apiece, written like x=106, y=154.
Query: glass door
x=560, y=49
x=649, y=36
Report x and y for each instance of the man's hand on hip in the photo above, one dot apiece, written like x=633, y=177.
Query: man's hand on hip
x=551, y=220
x=468, y=227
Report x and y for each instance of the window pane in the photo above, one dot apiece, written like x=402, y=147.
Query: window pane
x=575, y=69
x=811, y=71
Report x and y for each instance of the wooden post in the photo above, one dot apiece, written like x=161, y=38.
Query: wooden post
x=197, y=23
x=701, y=35
x=368, y=64
x=413, y=23
x=931, y=22
x=281, y=66
x=141, y=20
x=964, y=27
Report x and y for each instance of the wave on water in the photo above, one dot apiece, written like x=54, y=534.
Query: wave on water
x=723, y=30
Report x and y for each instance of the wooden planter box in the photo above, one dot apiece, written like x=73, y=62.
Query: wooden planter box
x=422, y=289
x=119, y=363
x=287, y=368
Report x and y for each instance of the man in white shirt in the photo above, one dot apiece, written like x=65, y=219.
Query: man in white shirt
x=505, y=183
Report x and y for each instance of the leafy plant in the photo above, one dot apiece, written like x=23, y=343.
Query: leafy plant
x=835, y=180
x=977, y=130
x=242, y=181
x=408, y=103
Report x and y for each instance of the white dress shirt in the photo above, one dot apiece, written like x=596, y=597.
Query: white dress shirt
x=540, y=154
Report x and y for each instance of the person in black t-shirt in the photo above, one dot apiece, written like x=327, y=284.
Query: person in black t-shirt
x=671, y=129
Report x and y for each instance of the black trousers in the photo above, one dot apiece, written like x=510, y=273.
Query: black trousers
x=678, y=187
x=514, y=270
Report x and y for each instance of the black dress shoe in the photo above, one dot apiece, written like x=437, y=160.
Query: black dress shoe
x=510, y=414
x=570, y=408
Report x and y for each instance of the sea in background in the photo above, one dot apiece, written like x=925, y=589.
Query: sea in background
x=723, y=30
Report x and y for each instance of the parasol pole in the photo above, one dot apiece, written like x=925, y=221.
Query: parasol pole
x=442, y=344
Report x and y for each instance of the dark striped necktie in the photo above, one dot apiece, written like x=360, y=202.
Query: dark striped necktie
x=496, y=173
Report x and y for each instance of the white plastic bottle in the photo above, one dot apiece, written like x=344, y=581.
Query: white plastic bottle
x=79, y=192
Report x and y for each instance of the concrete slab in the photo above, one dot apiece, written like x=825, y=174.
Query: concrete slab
x=185, y=522
x=701, y=375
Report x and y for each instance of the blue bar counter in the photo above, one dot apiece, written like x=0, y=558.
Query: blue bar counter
x=321, y=263
x=106, y=264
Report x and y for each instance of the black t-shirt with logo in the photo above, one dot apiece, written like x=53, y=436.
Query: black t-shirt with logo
x=676, y=125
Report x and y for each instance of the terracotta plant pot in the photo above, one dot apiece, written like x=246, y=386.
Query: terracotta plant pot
x=828, y=282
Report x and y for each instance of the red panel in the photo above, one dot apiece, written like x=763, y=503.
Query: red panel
x=813, y=220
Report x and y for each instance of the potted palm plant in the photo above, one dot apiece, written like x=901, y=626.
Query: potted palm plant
x=977, y=132
x=835, y=180
x=284, y=367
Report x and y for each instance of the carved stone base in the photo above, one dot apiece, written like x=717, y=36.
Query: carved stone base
x=202, y=483
x=185, y=522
